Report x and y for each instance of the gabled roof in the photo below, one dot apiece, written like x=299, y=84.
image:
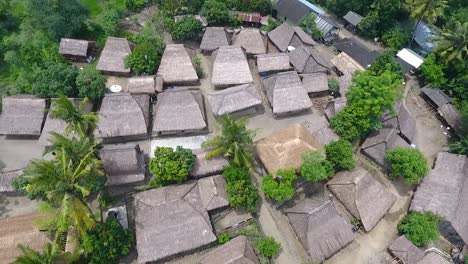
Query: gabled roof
x=433, y=258
x=353, y=18
x=334, y=107
x=286, y=93
x=451, y=116
x=213, y=192
x=113, y=55
x=308, y=60
x=315, y=82
x=281, y=36
x=22, y=115
x=410, y=57
x=320, y=228
x=176, y=66
x=324, y=135
x=204, y=167
x=360, y=53
x=252, y=40
x=365, y=197
x=376, y=145
x=405, y=250
x=296, y=10
x=123, y=164
x=230, y=67
x=234, y=99
x=6, y=178
x=436, y=96
x=73, y=47
x=273, y=62
x=304, y=37
x=213, y=38
x=236, y=251
x=142, y=85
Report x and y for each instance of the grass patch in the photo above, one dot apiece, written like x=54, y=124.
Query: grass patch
x=95, y=7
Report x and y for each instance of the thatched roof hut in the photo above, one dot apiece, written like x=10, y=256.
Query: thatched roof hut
x=345, y=64
x=273, y=62
x=353, y=18
x=365, y=197
x=324, y=135
x=123, y=116
x=405, y=251
x=6, y=178
x=204, y=167
x=236, y=251
x=230, y=67
x=176, y=66
x=284, y=36
x=380, y=142
x=22, y=115
x=435, y=97
x=450, y=115
x=284, y=149
x=150, y=84
x=238, y=100
x=179, y=111
x=213, y=38
x=286, y=93
x=445, y=192
x=308, y=60
x=315, y=84
x=123, y=164
x=433, y=258
x=20, y=230
x=213, y=192
x=356, y=50
x=74, y=48
x=320, y=228
x=56, y=125
x=252, y=40
x=403, y=122
x=171, y=221
x=334, y=107
x=113, y=55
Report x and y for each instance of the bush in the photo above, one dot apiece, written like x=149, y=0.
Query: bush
x=272, y=24
x=281, y=187
x=242, y=194
x=308, y=23
x=268, y=247
x=386, y=62
x=369, y=25
x=432, y=72
x=340, y=155
x=169, y=166
x=395, y=38
x=107, y=242
x=261, y=6
x=217, y=13
x=223, y=237
x=198, y=68
x=91, y=83
x=420, y=228
x=55, y=80
x=233, y=173
x=407, y=163
x=316, y=167
x=135, y=5
x=334, y=86
x=187, y=28
x=145, y=58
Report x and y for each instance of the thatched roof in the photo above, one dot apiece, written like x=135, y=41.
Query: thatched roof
x=170, y=221
x=213, y=38
x=380, y=142
x=56, y=125
x=6, y=178
x=320, y=228
x=406, y=123
x=304, y=37
x=405, y=251
x=353, y=18
x=344, y=63
x=334, y=107
x=123, y=164
x=315, y=82
x=284, y=149
x=74, y=47
x=324, y=135
x=143, y=85
x=123, y=116
x=230, y=67
x=308, y=60
x=236, y=251
x=251, y=40
x=365, y=197
x=204, y=167
x=281, y=36
x=286, y=93
x=213, y=192
x=20, y=230
x=113, y=55
x=433, y=258
x=22, y=115
x=234, y=99
x=273, y=62
x=176, y=66
x=179, y=111
x=445, y=192
x=451, y=116
x=436, y=97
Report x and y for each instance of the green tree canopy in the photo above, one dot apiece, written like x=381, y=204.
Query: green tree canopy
x=242, y=194
x=91, y=83
x=426, y=9
x=216, y=12
x=453, y=42
x=145, y=58
x=309, y=25
x=432, y=71
x=407, y=163
x=170, y=166
x=316, y=167
x=340, y=155
x=50, y=255
x=268, y=247
x=420, y=228
x=55, y=80
x=281, y=187
x=76, y=118
x=187, y=28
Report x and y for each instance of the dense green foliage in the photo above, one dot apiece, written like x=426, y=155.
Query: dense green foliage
x=241, y=191
x=432, y=72
x=309, y=25
x=395, y=38
x=268, y=247
x=316, y=167
x=107, y=242
x=235, y=173
x=106, y=23
x=187, y=28
x=407, y=163
x=340, y=155
x=55, y=80
x=263, y=7
x=91, y=83
x=145, y=58
x=223, y=237
x=50, y=255
x=135, y=5
x=216, y=12
x=452, y=44
x=461, y=146
x=420, y=228
x=78, y=120
x=170, y=166
x=281, y=187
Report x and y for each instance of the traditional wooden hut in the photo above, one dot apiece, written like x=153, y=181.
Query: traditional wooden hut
x=308, y=60
x=214, y=38
x=22, y=115
x=145, y=85
x=334, y=107
x=353, y=19
x=230, y=67
x=451, y=117
x=324, y=134
x=123, y=164
x=380, y=142
x=204, y=167
x=238, y=250
x=286, y=93
x=213, y=192
x=239, y=100
x=273, y=62
x=284, y=36
x=356, y=50
x=435, y=97
x=6, y=178
x=112, y=57
x=176, y=66
x=405, y=251
x=252, y=40
x=434, y=258
x=403, y=122
x=75, y=49
x=316, y=84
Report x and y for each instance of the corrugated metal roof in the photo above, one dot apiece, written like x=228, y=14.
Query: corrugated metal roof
x=422, y=35
x=410, y=57
x=324, y=25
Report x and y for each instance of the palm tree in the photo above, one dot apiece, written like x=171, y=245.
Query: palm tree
x=234, y=143
x=428, y=10
x=453, y=42
x=77, y=118
x=51, y=255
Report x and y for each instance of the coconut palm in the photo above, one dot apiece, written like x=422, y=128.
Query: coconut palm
x=453, y=42
x=78, y=120
x=234, y=143
x=428, y=10
x=51, y=255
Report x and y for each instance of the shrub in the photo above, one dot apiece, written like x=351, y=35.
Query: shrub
x=216, y=12
x=107, y=242
x=187, y=28
x=242, y=194
x=261, y=6
x=91, y=83
x=407, y=163
x=432, y=72
x=170, y=166
x=268, y=247
x=106, y=199
x=386, y=62
x=145, y=58
x=395, y=38
x=334, y=86
x=135, y=5
x=272, y=24
x=308, y=23
x=340, y=155
x=316, y=167
x=54, y=80
x=420, y=228
x=369, y=25
x=198, y=68
x=233, y=172
x=281, y=187
x=223, y=237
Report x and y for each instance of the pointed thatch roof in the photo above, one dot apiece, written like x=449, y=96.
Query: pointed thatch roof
x=22, y=115
x=236, y=251
x=143, y=85
x=406, y=251
x=213, y=192
x=213, y=38
x=230, y=67
x=171, y=221
x=123, y=164
x=123, y=116
x=252, y=40
x=273, y=62
x=6, y=178
x=345, y=64
x=286, y=93
x=320, y=228
x=380, y=142
x=406, y=123
x=74, y=47
x=285, y=35
x=234, y=99
x=179, y=111
x=315, y=83
x=284, y=149
x=204, y=167
x=308, y=60
x=304, y=37
x=365, y=197
x=113, y=55
x=334, y=107
x=176, y=66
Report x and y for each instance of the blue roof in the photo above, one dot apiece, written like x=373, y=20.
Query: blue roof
x=422, y=35
x=313, y=7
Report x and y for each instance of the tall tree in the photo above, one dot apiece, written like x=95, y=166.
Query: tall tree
x=452, y=44
x=428, y=10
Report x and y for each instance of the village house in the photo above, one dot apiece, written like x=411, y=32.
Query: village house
x=213, y=38
x=252, y=40
x=176, y=66
x=308, y=60
x=435, y=97
x=148, y=84
x=123, y=164
x=75, y=49
x=204, y=167
x=356, y=50
x=353, y=19
x=377, y=144
x=238, y=101
x=230, y=67
x=22, y=115
x=405, y=251
x=316, y=84
x=324, y=135
x=296, y=10
x=237, y=250
x=334, y=106
x=113, y=55
x=285, y=36
x=272, y=63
